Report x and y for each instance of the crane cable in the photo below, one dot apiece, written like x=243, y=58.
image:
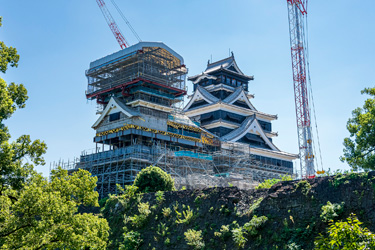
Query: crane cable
x=311, y=93
x=126, y=21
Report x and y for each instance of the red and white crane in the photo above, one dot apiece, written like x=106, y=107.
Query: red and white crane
x=297, y=10
x=112, y=25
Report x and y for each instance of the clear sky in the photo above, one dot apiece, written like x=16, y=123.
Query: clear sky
x=58, y=39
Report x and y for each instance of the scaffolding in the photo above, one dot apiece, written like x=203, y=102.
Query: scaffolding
x=231, y=165
x=154, y=64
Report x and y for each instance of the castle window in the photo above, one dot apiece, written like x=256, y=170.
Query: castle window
x=114, y=117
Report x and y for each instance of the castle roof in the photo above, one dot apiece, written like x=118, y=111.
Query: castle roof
x=249, y=125
x=228, y=65
x=202, y=93
x=116, y=103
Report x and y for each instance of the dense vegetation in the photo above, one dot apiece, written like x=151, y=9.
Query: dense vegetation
x=288, y=215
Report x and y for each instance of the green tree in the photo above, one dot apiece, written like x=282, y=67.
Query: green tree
x=35, y=213
x=359, y=148
x=45, y=214
x=346, y=235
x=153, y=179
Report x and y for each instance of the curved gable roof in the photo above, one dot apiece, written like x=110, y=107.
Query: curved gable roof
x=201, y=93
x=239, y=93
x=115, y=103
x=249, y=125
x=226, y=63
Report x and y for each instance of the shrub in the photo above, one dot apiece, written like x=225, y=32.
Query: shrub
x=132, y=240
x=159, y=197
x=188, y=216
x=304, y=186
x=167, y=242
x=153, y=179
x=346, y=235
x=162, y=229
x=255, y=223
x=239, y=237
x=139, y=220
x=103, y=201
x=225, y=233
x=254, y=205
x=194, y=238
x=166, y=211
x=330, y=211
x=270, y=182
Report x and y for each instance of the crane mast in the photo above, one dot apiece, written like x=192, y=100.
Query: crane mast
x=112, y=25
x=296, y=13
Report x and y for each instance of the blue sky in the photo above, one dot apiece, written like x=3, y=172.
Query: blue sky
x=58, y=39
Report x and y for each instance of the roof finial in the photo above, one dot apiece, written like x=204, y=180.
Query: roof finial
x=232, y=54
x=208, y=61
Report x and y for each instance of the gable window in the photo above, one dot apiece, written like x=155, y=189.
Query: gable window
x=114, y=117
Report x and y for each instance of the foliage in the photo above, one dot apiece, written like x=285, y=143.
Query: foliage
x=268, y=183
x=8, y=55
x=239, y=238
x=44, y=214
x=225, y=232
x=344, y=177
x=166, y=211
x=304, y=186
x=139, y=220
x=103, y=201
x=159, y=197
x=359, y=147
x=153, y=179
x=346, y=235
x=255, y=223
x=132, y=241
x=331, y=211
x=292, y=246
x=162, y=229
x=118, y=210
x=225, y=210
x=167, y=242
x=194, y=238
x=254, y=206
x=35, y=213
x=188, y=215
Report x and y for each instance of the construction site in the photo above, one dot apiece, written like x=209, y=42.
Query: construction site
x=142, y=121
x=218, y=138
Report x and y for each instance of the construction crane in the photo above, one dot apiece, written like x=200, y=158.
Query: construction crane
x=297, y=11
x=112, y=25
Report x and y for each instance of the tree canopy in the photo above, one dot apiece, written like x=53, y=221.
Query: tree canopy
x=153, y=179
x=346, y=235
x=36, y=213
x=359, y=148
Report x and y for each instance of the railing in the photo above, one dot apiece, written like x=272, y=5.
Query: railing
x=193, y=155
x=142, y=152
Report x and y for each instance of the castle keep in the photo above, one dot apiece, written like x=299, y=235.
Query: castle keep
x=217, y=138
